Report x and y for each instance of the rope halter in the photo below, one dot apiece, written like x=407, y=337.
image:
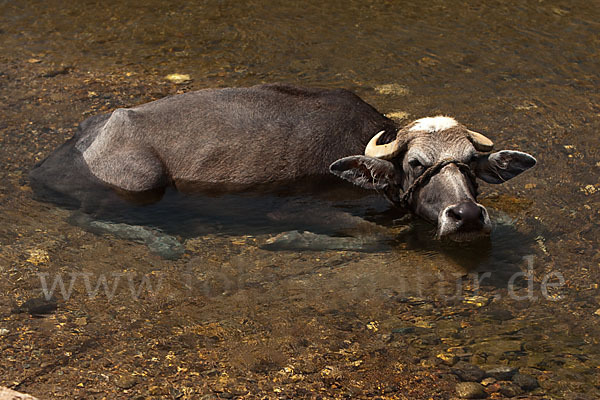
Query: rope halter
x=429, y=173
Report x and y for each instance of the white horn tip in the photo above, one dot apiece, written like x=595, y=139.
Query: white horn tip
x=373, y=143
x=481, y=142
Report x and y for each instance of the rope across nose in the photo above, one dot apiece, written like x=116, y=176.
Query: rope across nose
x=430, y=173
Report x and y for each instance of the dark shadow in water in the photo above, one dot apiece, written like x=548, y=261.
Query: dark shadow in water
x=322, y=206
x=501, y=254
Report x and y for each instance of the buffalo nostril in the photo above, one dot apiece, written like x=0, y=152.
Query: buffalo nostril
x=482, y=212
x=468, y=213
x=454, y=214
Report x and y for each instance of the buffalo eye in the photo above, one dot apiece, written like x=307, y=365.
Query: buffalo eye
x=416, y=166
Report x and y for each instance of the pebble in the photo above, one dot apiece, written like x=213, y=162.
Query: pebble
x=37, y=306
x=166, y=246
x=430, y=362
x=470, y=390
x=61, y=71
x=510, y=389
x=526, y=382
x=4, y=332
x=211, y=372
x=387, y=337
x=398, y=115
x=448, y=358
x=499, y=314
x=330, y=374
x=488, y=381
x=155, y=390
x=178, y=78
x=38, y=256
x=404, y=331
x=478, y=301
x=390, y=388
x=468, y=372
x=295, y=240
x=393, y=89
x=578, y=396
x=126, y=381
x=503, y=373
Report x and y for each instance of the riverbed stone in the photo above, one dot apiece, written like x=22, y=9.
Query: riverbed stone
x=503, y=373
x=166, y=246
x=470, y=390
x=509, y=389
x=393, y=89
x=178, y=78
x=497, y=349
x=296, y=240
x=526, y=382
x=468, y=372
x=37, y=306
x=488, y=381
x=448, y=358
x=430, y=362
x=404, y=330
x=126, y=381
x=499, y=314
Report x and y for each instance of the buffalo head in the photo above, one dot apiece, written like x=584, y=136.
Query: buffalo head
x=430, y=168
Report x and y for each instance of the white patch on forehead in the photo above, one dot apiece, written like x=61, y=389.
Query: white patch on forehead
x=433, y=124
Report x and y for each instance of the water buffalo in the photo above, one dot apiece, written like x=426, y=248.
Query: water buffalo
x=239, y=138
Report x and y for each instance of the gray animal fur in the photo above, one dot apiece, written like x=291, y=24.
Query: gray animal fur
x=240, y=138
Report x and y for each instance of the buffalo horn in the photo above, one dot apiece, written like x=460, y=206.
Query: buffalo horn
x=480, y=142
x=383, y=151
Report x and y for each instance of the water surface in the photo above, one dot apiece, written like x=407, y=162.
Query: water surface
x=233, y=319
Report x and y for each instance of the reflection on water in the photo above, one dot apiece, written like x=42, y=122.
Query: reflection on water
x=237, y=320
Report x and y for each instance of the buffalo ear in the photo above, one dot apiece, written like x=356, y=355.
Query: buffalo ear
x=503, y=165
x=366, y=172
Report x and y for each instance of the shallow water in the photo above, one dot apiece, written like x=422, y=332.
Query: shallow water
x=234, y=319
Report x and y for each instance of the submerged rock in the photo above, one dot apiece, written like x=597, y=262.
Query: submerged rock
x=178, y=78
x=509, y=389
x=526, y=382
x=38, y=256
x=295, y=240
x=499, y=314
x=448, y=358
x=470, y=390
x=398, y=115
x=503, y=373
x=164, y=245
x=404, y=330
x=488, y=381
x=126, y=381
x=393, y=89
x=38, y=306
x=502, y=218
x=468, y=372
